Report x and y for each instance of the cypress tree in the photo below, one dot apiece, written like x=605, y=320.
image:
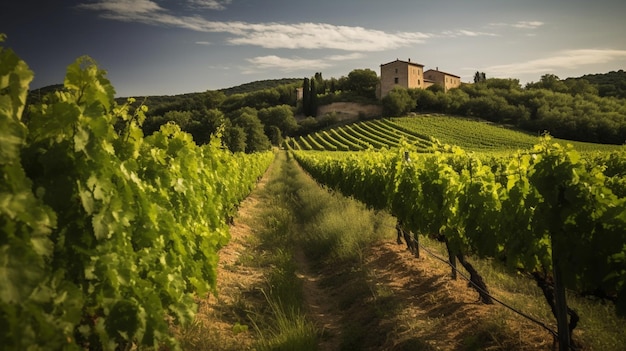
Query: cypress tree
x=313, y=100
x=306, y=97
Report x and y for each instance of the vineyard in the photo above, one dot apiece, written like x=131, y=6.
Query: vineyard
x=107, y=235
x=471, y=135
x=545, y=211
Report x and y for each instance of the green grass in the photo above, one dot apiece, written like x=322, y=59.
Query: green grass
x=283, y=325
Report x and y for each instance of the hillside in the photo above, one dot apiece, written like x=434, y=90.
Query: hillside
x=260, y=85
x=469, y=133
x=609, y=84
x=250, y=87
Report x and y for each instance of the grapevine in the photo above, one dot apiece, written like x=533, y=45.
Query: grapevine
x=105, y=232
x=545, y=211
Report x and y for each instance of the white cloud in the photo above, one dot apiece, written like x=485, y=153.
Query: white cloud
x=352, y=56
x=528, y=24
x=287, y=64
x=466, y=33
x=569, y=59
x=322, y=35
x=519, y=24
x=203, y=43
x=267, y=35
x=128, y=7
x=296, y=63
x=209, y=4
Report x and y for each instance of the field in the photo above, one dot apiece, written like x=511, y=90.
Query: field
x=531, y=203
x=469, y=134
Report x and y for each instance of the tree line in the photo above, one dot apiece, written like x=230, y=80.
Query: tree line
x=252, y=121
x=569, y=109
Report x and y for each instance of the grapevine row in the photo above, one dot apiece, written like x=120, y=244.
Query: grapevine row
x=544, y=211
x=107, y=235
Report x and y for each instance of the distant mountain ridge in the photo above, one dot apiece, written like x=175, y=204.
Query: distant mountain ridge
x=259, y=85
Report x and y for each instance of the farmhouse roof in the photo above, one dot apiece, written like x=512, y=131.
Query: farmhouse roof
x=446, y=73
x=407, y=62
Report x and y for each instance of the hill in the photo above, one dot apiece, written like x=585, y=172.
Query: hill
x=471, y=134
x=260, y=85
x=250, y=87
x=609, y=84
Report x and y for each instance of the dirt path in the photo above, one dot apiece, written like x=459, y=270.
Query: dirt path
x=222, y=320
x=321, y=306
x=390, y=301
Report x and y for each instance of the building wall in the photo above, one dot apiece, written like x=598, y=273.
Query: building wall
x=400, y=73
x=446, y=80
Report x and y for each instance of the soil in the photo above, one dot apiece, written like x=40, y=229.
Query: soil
x=393, y=301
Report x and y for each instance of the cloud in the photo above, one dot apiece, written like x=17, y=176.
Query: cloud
x=203, y=43
x=466, y=33
x=129, y=8
x=322, y=35
x=353, y=56
x=267, y=35
x=519, y=24
x=568, y=59
x=209, y=4
x=287, y=64
x=527, y=24
x=296, y=63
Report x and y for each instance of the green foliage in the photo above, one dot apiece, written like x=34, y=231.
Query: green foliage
x=363, y=82
x=248, y=120
x=398, y=103
x=312, y=108
x=105, y=233
x=611, y=84
x=521, y=209
x=280, y=116
x=479, y=77
x=569, y=109
x=261, y=85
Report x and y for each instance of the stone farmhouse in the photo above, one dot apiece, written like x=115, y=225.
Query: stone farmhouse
x=411, y=75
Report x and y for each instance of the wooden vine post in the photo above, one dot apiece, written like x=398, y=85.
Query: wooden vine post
x=559, y=288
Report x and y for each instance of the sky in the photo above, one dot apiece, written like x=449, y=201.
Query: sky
x=169, y=47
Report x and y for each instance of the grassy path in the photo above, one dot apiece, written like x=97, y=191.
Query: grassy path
x=308, y=269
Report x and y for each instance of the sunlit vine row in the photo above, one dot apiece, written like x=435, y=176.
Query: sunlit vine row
x=107, y=235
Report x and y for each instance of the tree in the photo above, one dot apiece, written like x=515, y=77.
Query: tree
x=213, y=98
x=256, y=140
x=580, y=86
x=479, y=77
x=398, y=102
x=204, y=124
x=425, y=100
x=363, y=82
x=550, y=82
x=262, y=98
x=280, y=116
x=320, y=83
x=275, y=135
x=234, y=138
x=312, y=111
x=306, y=96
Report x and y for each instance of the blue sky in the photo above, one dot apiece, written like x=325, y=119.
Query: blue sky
x=167, y=47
